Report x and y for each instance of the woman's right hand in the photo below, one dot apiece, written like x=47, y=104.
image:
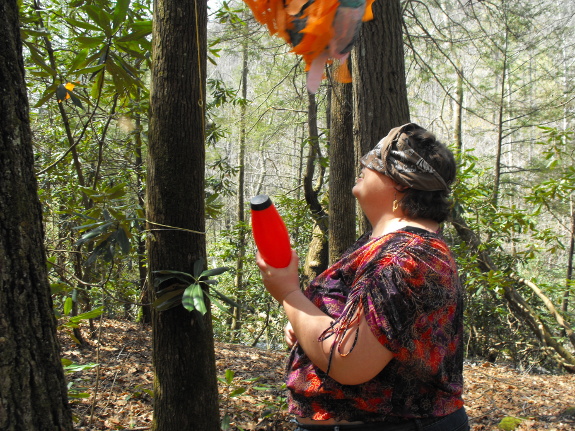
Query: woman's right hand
x=290, y=336
x=280, y=282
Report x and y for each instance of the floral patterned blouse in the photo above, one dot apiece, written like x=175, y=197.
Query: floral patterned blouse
x=406, y=284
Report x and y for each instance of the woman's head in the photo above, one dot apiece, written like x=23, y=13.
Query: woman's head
x=423, y=168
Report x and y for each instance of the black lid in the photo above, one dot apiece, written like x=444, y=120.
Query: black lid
x=260, y=202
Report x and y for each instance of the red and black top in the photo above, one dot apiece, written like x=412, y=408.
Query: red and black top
x=407, y=285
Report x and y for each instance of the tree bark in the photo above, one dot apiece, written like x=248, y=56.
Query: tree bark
x=317, y=257
x=342, y=172
x=185, y=384
x=458, y=116
x=379, y=87
x=33, y=393
x=240, y=210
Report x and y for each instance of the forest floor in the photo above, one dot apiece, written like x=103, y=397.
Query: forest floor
x=122, y=398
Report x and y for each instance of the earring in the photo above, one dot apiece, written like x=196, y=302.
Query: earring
x=395, y=202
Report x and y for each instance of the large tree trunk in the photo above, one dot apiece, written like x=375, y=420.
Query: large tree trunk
x=185, y=385
x=32, y=387
x=379, y=88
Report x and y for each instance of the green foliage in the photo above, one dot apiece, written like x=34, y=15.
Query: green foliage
x=88, y=65
x=68, y=323
x=236, y=388
x=139, y=391
x=76, y=392
x=515, y=237
x=190, y=290
x=509, y=423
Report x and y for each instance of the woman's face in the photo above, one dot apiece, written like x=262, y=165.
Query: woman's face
x=373, y=189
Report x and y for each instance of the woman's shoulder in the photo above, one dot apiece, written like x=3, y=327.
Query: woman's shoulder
x=411, y=241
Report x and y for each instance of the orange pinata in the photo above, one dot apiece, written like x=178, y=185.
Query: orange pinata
x=318, y=30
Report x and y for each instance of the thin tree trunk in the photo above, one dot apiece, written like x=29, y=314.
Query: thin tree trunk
x=342, y=172
x=498, y=150
x=240, y=211
x=569, y=277
x=185, y=383
x=145, y=290
x=458, y=116
x=317, y=257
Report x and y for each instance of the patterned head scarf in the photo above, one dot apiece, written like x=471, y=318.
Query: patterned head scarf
x=393, y=156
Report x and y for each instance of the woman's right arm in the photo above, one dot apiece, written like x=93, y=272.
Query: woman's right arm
x=368, y=356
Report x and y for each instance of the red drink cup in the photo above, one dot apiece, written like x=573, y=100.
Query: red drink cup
x=270, y=233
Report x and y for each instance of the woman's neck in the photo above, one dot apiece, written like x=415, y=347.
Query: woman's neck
x=386, y=225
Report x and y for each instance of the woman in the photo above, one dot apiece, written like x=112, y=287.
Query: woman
x=377, y=337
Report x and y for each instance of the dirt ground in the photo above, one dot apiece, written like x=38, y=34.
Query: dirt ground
x=251, y=395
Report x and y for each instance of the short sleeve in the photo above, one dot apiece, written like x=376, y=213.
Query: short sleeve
x=409, y=298
x=405, y=290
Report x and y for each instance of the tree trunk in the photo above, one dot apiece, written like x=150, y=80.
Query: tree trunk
x=458, y=116
x=379, y=87
x=185, y=384
x=317, y=258
x=500, y=125
x=33, y=392
x=569, y=276
x=145, y=315
x=240, y=211
x=342, y=172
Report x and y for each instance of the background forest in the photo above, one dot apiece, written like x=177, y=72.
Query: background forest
x=493, y=79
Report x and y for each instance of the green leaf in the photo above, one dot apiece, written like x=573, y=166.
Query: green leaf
x=172, y=272
x=78, y=395
x=90, y=41
x=74, y=368
x=236, y=392
x=79, y=60
x=213, y=300
x=215, y=271
x=229, y=376
x=120, y=12
x=59, y=287
x=88, y=236
x=91, y=70
x=123, y=240
x=68, y=306
x=168, y=300
x=193, y=299
x=92, y=314
x=198, y=267
x=98, y=83
x=82, y=24
x=39, y=61
x=226, y=423
x=46, y=96
x=228, y=300
x=144, y=25
x=135, y=35
x=100, y=17
x=75, y=100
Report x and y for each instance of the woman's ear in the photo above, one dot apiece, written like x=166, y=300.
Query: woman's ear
x=401, y=188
